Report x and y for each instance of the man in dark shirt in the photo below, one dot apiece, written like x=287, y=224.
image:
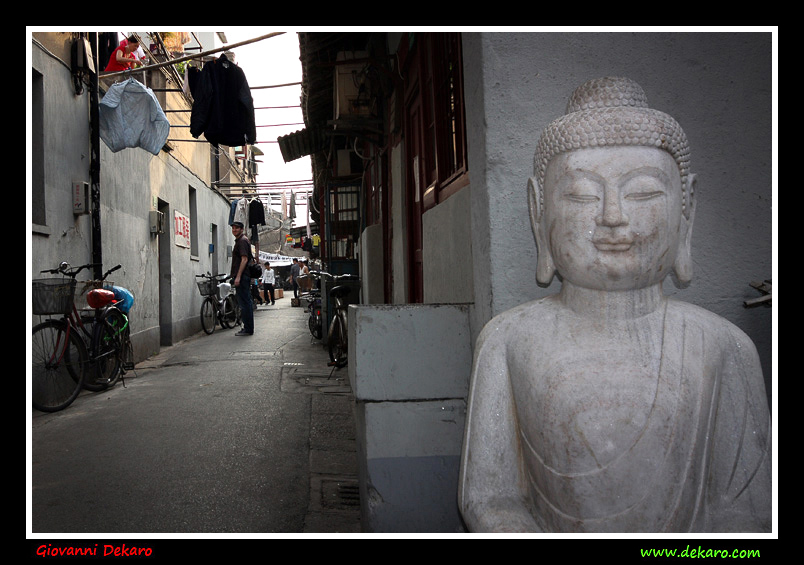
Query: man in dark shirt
x=241, y=255
x=294, y=277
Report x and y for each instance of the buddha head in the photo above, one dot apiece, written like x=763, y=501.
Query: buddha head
x=612, y=199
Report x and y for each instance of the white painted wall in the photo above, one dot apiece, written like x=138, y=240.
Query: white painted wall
x=130, y=180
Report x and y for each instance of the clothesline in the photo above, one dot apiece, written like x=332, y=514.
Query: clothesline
x=196, y=56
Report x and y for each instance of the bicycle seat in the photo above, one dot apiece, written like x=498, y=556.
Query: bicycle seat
x=340, y=291
x=100, y=297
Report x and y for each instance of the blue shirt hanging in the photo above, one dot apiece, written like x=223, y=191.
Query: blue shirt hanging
x=130, y=116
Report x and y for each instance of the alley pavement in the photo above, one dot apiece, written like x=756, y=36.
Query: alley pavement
x=217, y=434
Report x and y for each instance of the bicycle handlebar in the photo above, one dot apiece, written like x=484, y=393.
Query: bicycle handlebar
x=65, y=269
x=209, y=275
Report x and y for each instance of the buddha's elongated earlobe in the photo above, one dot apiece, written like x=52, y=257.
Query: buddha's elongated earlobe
x=545, y=266
x=683, y=264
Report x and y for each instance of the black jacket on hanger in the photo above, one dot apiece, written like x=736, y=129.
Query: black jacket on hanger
x=223, y=109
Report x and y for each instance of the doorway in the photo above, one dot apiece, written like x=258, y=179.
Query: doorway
x=165, y=283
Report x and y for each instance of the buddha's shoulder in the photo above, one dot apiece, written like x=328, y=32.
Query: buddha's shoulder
x=698, y=316
x=512, y=322
x=714, y=327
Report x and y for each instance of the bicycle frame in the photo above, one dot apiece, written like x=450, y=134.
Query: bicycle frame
x=337, y=335
x=90, y=333
x=218, y=298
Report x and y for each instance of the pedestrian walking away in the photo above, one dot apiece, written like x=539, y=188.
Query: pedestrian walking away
x=241, y=257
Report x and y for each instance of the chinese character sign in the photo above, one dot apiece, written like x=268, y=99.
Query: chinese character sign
x=181, y=229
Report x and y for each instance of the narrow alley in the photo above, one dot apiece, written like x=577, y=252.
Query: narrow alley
x=217, y=434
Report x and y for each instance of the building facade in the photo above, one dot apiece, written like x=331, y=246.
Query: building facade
x=432, y=136
x=158, y=216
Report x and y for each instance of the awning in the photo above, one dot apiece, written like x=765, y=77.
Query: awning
x=301, y=143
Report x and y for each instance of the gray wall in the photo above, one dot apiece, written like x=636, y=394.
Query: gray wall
x=718, y=87
x=447, y=251
x=408, y=368
x=132, y=183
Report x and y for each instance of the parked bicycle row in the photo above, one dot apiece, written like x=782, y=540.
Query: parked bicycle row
x=83, y=343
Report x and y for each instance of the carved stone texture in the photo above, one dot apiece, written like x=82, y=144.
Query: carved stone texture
x=609, y=407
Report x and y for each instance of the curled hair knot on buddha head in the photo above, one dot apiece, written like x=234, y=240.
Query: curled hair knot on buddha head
x=610, y=112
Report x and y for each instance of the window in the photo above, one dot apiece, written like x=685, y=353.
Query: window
x=443, y=116
x=193, y=223
x=38, y=208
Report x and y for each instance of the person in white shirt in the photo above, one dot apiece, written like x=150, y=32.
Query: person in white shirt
x=268, y=278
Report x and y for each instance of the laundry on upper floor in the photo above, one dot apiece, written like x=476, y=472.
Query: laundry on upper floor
x=248, y=211
x=223, y=109
x=130, y=116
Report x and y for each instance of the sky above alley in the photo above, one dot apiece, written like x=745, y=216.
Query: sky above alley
x=270, y=62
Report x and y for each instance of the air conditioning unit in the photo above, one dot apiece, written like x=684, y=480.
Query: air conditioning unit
x=351, y=100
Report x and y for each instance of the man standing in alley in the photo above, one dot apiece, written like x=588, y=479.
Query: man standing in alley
x=241, y=256
x=294, y=277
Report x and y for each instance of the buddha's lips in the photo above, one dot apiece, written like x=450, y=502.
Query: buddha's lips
x=606, y=244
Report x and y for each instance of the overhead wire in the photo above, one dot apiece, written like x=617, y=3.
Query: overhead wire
x=173, y=72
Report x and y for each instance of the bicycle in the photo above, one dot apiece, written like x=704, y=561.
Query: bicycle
x=313, y=298
x=219, y=302
x=337, y=335
x=105, y=331
x=75, y=352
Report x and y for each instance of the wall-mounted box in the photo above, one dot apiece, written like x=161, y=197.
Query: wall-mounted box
x=156, y=220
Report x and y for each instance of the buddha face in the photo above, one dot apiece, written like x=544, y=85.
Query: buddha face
x=612, y=216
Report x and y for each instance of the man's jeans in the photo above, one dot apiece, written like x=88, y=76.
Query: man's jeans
x=243, y=293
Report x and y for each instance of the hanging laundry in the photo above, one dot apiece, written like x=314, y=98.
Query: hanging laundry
x=191, y=76
x=256, y=213
x=241, y=212
x=130, y=116
x=223, y=109
x=256, y=217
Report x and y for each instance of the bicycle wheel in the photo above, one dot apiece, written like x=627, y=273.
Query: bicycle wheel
x=336, y=343
x=59, y=359
x=208, y=315
x=314, y=323
x=229, y=312
x=107, y=348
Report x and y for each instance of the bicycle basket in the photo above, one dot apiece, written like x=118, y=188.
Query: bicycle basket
x=206, y=287
x=53, y=296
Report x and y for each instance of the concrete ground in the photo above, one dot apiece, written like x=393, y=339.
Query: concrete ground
x=217, y=434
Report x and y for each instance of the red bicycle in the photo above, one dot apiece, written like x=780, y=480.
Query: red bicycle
x=75, y=351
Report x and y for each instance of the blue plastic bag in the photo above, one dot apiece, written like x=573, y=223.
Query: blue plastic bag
x=125, y=298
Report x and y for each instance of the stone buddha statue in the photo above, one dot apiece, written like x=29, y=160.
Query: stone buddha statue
x=609, y=407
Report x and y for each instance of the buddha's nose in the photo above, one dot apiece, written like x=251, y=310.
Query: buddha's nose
x=612, y=214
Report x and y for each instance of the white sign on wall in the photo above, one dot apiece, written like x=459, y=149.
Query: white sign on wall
x=181, y=229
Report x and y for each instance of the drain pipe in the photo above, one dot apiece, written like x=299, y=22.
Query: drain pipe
x=94, y=164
